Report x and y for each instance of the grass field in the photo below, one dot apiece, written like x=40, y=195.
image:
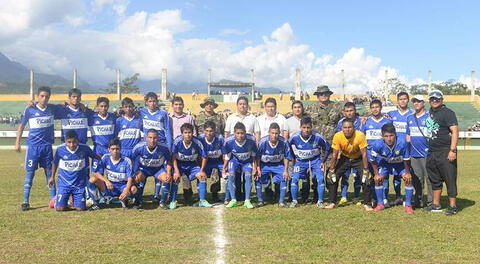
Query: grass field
x=265, y=235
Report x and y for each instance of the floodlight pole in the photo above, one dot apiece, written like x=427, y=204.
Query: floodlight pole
x=298, y=84
x=429, y=81
x=385, y=87
x=473, y=80
x=32, y=85
x=253, y=85
x=209, y=81
x=164, y=84
x=75, y=78
x=119, y=93
x=343, y=85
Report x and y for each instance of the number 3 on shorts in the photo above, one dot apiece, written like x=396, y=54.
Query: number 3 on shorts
x=29, y=163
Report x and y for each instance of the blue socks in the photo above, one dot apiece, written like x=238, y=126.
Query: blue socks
x=202, y=190
x=258, y=187
x=27, y=185
x=408, y=195
x=397, y=185
x=165, y=190
x=248, y=185
x=231, y=185
x=379, y=191
x=158, y=186
x=294, y=189
x=320, y=187
x=173, y=191
x=283, y=190
x=91, y=190
x=51, y=188
x=227, y=191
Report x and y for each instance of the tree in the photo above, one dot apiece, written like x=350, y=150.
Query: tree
x=396, y=86
x=127, y=85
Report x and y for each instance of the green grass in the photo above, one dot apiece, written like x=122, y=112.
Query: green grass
x=265, y=235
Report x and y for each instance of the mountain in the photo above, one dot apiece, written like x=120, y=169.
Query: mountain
x=15, y=78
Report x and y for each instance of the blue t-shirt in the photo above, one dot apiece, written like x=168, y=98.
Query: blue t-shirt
x=357, y=124
x=128, y=131
x=159, y=121
x=188, y=155
x=214, y=148
x=309, y=149
x=373, y=129
x=102, y=128
x=243, y=152
x=76, y=120
x=418, y=142
x=118, y=171
x=41, y=124
x=154, y=159
x=400, y=122
x=73, y=165
x=273, y=155
x=382, y=154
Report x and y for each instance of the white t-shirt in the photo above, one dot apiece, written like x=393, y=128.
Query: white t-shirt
x=265, y=121
x=293, y=125
x=250, y=122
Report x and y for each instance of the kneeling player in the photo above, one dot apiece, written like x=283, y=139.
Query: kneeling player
x=152, y=159
x=273, y=157
x=187, y=151
x=114, y=175
x=71, y=159
x=307, y=145
x=239, y=152
x=391, y=156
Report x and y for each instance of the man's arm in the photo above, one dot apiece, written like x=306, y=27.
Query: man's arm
x=126, y=190
x=453, y=145
x=333, y=161
x=104, y=179
x=285, y=169
x=203, y=164
x=20, y=129
x=176, y=171
x=407, y=177
x=51, y=181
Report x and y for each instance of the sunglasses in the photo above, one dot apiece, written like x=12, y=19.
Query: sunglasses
x=434, y=99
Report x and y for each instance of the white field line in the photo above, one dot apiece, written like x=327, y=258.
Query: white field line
x=219, y=237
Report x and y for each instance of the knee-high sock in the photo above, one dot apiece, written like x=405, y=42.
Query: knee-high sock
x=202, y=190
x=379, y=191
x=294, y=189
x=397, y=185
x=386, y=186
x=357, y=185
x=158, y=186
x=92, y=192
x=258, y=187
x=408, y=195
x=283, y=190
x=165, y=190
x=27, y=185
x=173, y=191
x=248, y=186
x=320, y=187
x=231, y=186
x=51, y=187
x=227, y=191
x=345, y=183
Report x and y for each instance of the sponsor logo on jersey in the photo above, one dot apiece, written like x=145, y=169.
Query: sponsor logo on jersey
x=272, y=158
x=184, y=157
x=72, y=165
x=74, y=123
x=40, y=122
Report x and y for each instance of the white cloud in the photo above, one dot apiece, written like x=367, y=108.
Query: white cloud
x=233, y=31
x=119, y=6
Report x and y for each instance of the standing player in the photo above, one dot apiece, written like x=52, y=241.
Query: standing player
x=391, y=156
x=307, y=146
x=239, y=152
x=102, y=128
x=114, y=175
x=187, y=151
x=213, y=143
x=74, y=117
x=128, y=128
x=71, y=159
x=273, y=157
x=40, y=119
x=152, y=158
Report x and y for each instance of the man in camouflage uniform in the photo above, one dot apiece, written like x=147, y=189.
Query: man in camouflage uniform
x=325, y=116
x=208, y=114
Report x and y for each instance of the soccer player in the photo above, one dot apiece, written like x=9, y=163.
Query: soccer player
x=213, y=143
x=391, y=156
x=102, y=128
x=155, y=118
x=40, y=119
x=187, y=151
x=128, y=128
x=272, y=158
x=350, y=112
x=71, y=159
x=239, y=152
x=114, y=175
x=74, y=117
x=351, y=145
x=152, y=158
x=307, y=146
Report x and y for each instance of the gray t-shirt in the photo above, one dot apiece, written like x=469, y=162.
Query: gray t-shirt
x=292, y=125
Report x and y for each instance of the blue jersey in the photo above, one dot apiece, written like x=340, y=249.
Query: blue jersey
x=308, y=149
x=76, y=120
x=41, y=124
x=188, y=155
x=73, y=165
x=159, y=121
x=116, y=171
x=242, y=152
x=418, y=142
x=151, y=159
x=128, y=131
x=400, y=122
x=273, y=155
x=102, y=128
x=213, y=149
x=357, y=124
x=373, y=129
x=383, y=155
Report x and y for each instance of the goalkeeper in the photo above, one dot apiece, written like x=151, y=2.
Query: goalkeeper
x=350, y=148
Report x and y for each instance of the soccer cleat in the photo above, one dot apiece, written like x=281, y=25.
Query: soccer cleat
x=225, y=202
x=204, y=203
x=139, y=206
x=451, y=210
x=343, y=201
x=25, y=207
x=173, y=205
x=247, y=204
x=435, y=208
x=320, y=205
x=163, y=205
x=124, y=204
x=94, y=207
x=330, y=206
x=356, y=201
x=386, y=204
x=409, y=209
x=397, y=201
x=102, y=200
x=232, y=203
x=51, y=204
x=260, y=204
x=368, y=208
x=88, y=203
x=282, y=205
x=294, y=204
x=379, y=207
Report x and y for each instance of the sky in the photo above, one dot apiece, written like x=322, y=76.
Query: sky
x=364, y=38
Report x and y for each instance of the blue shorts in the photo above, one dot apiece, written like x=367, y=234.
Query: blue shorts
x=64, y=192
x=149, y=171
x=235, y=166
x=100, y=150
x=395, y=169
x=190, y=171
x=276, y=171
x=127, y=152
x=301, y=169
x=211, y=166
x=118, y=188
x=38, y=156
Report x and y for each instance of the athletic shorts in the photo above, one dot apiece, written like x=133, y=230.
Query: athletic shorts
x=118, y=188
x=275, y=170
x=152, y=171
x=234, y=167
x=395, y=169
x=127, y=152
x=190, y=171
x=38, y=156
x=301, y=169
x=64, y=193
x=211, y=166
x=100, y=150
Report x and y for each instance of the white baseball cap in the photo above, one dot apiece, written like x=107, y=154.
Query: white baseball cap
x=419, y=97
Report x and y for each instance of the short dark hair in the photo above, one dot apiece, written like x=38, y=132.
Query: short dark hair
x=44, y=89
x=242, y=98
x=305, y=120
x=402, y=94
x=114, y=142
x=177, y=99
x=274, y=125
x=151, y=95
x=210, y=124
x=71, y=134
x=151, y=130
x=271, y=100
x=103, y=99
x=186, y=126
x=74, y=91
x=388, y=128
x=349, y=105
x=127, y=100
x=348, y=120
x=240, y=126
x=376, y=101
x=297, y=102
